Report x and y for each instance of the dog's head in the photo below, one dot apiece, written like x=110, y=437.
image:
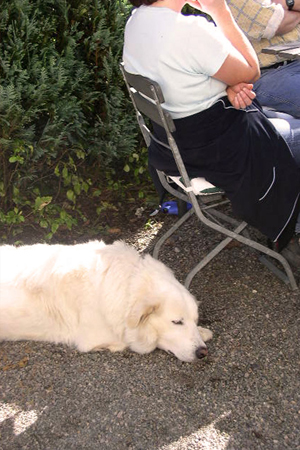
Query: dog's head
x=164, y=315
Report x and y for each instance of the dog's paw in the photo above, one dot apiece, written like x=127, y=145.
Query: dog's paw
x=205, y=334
x=116, y=347
x=113, y=347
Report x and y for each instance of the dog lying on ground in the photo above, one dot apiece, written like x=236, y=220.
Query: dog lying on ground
x=95, y=296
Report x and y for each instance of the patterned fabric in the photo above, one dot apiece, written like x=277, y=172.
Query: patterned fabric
x=259, y=20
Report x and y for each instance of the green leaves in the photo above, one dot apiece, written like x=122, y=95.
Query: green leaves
x=41, y=202
x=65, y=115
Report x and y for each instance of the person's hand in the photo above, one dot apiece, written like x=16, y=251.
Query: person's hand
x=240, y=95
x=195, y=4
x=207, y=6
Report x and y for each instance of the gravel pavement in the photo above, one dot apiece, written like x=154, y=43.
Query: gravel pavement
x=244, y=396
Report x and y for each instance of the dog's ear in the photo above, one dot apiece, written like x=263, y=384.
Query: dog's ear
x=140, y=314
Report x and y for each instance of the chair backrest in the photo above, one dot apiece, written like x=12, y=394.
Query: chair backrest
x=147, y=98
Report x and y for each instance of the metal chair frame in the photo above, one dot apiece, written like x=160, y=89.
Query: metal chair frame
x=147, y=98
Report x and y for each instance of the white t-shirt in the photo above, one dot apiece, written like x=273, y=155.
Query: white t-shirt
x=181, y=53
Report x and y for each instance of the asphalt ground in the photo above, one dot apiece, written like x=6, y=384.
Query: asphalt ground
x=244, y=396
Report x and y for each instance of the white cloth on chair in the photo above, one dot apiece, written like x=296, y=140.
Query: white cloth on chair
x=200, y=186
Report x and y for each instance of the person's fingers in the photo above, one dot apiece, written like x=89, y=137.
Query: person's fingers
x=246, y=98
x=235, y=102
x=241, y=100
x=251, y=94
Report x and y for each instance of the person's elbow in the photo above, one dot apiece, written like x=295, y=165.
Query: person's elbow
x=237, y=69
x=232, y=75
x=256, y=75
x=249, y=74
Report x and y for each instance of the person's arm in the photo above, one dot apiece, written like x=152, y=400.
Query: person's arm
x=296, y=6
x=290, y=20
x=241, y=65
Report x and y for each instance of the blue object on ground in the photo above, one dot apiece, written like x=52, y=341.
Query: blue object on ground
x=172, y=207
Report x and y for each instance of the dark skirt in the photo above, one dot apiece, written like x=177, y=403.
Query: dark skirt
x=241, y=152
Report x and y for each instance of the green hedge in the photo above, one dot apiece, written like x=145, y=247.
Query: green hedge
x=65, y=116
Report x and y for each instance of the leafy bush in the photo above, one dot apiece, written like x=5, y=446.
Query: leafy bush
x=65, y=116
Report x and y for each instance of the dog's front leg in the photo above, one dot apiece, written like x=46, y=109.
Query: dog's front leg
x=113, y=347
x=205, y=334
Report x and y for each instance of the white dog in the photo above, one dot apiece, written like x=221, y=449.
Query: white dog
x=96, y=296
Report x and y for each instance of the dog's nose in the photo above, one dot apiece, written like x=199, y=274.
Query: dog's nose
x=201, y=352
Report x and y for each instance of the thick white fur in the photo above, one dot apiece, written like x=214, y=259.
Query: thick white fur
x=95, y=296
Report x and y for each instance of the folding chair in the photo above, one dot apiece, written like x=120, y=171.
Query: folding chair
x=147, y=98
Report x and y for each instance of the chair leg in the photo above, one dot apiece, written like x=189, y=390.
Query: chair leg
x=249, y=242
x=279, y=274
x=182, y=207
x=171, y=231
x=289, y=278
x=211, y=255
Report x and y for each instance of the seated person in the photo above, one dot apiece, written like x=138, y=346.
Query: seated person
x=206, y=74
x=265, y=23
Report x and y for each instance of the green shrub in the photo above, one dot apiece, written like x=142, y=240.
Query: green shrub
x=65, y=116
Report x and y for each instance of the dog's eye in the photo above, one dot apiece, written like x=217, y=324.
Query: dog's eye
x=178, y=322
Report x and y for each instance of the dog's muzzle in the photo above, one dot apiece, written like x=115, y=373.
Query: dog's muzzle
x=201, y=352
